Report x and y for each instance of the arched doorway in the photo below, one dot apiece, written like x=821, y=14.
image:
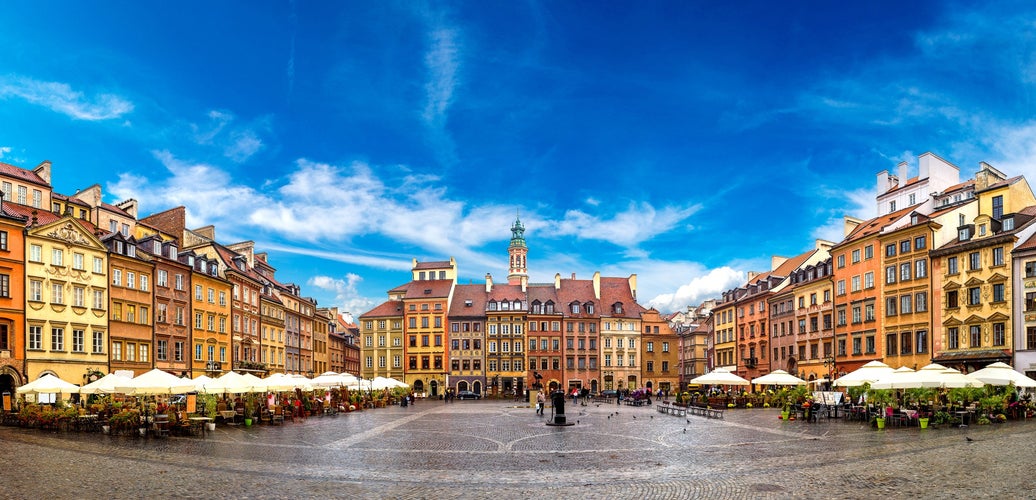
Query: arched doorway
x=649, y=385
x=434, y=388
x=8, y=382
x=476, y=387
x=462, y=385
x=418, y=386
x=553, y=385
x=593, y=386
x=792, y=365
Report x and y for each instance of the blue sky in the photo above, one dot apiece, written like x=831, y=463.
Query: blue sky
x=686, y=142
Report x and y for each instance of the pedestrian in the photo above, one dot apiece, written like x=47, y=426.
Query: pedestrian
x=540, y=399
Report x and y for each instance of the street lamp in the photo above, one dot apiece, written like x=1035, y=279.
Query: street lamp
x=829, y=363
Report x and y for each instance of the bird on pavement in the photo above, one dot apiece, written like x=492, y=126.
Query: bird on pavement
x=685, y=431
x=968, y=438
x=634, y=417
x=688, y=420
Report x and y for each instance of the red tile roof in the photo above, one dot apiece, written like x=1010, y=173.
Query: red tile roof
x=387, y=308
x=476, y=294
x=428, y=289
x=21, y=173
x=433, y=265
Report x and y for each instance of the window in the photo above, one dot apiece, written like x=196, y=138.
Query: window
x=868, y=280
x=921, y=302
x=856, y=283
x=998, y=207
x=922, y=341
x=131, y=279
x=78, y=339
x=23, y=192
x=37, y=198
x=77, y=261
x=856, y=256
x=98, y=299
x=904, y=271
x=78, y=296
x=891, y=344
x=117, y=277
x=890, y=250
x=904, y=246
x=98, y=265
x=951, y=299
x=974, y=261
x=890, y=306
x=144, y=282
x=857, y=346
x=951, y=265
x=998, y=334
x=905, y=303
x=868, y=252
x=920, y=269
x=841, y=287
x=976, y=335
x=998, y=256
x=98, y=342
x=890, y=274
x=57, y=293
x=920, y=243
x=163, y=277
x=57, y=339
x=841, y=261
x=974, y=296
x=35, y=253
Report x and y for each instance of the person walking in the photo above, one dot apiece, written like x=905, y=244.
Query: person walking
x=540, y=400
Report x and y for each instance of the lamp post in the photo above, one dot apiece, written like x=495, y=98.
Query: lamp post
x=829, y=363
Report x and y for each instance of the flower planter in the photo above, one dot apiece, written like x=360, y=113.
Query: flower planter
x=211, y=426
x=248, y=422
x=881, y=422
x=784, y=415
x=923, y=422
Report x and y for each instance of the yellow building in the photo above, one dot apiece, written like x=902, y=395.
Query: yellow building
x=976, y=274
x=66, y=297
x=381, y=341
x=506, y=313
x=907, y=292
x=620, y=337
x=660, y=355
x=724, y=326
x=426, y=300
x=208, y=314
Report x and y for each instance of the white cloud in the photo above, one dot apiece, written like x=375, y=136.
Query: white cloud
x=4, y=150
x=703, y=285
x=235, y=141
x=347, y=297
x=62, y=98
x=442, y=62
x=244, y=144
x=859, y=204
x=638, y=223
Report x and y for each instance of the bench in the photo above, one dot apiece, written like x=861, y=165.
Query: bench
x=678, y=411
x=704, y=411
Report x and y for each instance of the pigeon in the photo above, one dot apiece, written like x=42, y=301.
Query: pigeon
x=634, y=417
x=685, y=431
x=968, y=438
x=688, y=420
x=577, y=421
x=609, y=417
x=652, y=416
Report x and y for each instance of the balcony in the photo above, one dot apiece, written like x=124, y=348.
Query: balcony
x=750, y=362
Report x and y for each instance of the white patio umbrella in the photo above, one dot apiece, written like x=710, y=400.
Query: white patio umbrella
x=230, y=382
x=257, y=383
x=900, y=378
x=1002, y=374
x=104, y=385
x=719, y=376
x=866, y=374
x=48, y=384
x=200, y=381
x=154, y=382
x=954, y=378
x=778, y=377
x=328, y=379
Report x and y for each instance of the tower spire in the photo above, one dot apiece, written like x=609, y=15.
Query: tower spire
x=517, y=252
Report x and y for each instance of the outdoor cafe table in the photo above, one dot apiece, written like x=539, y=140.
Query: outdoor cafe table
x=228, y=415
x=198, y=423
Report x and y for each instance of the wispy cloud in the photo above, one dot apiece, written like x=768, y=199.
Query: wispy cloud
x=4, y=151
x=60, y=97
x=233, y=140
x=638, y=223
x=346, y=294
x=442, y=62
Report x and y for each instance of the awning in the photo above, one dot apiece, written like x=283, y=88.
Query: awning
x=972, y=356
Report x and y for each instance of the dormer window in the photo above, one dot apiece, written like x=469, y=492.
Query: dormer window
x=617, y=308
x=589, y=308
x=118, y=248
x=172, y=252
x=550, y=307
x=492, y=305
x=467, y=303
x=190, y=261
x=156, y=247
x=1008, y=223
x=575, y=307
x=131, y=250
x=518, y=305
x=964, y=234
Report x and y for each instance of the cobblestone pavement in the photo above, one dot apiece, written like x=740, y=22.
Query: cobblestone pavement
x=483, y=449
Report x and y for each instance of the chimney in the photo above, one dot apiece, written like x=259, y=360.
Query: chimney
x=43, y=170
x=489, y=283
x=903, y=173
x=886, y=182
x=851, y=224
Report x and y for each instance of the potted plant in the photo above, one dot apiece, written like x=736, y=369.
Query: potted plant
x=881, y=398
x=248, y=410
